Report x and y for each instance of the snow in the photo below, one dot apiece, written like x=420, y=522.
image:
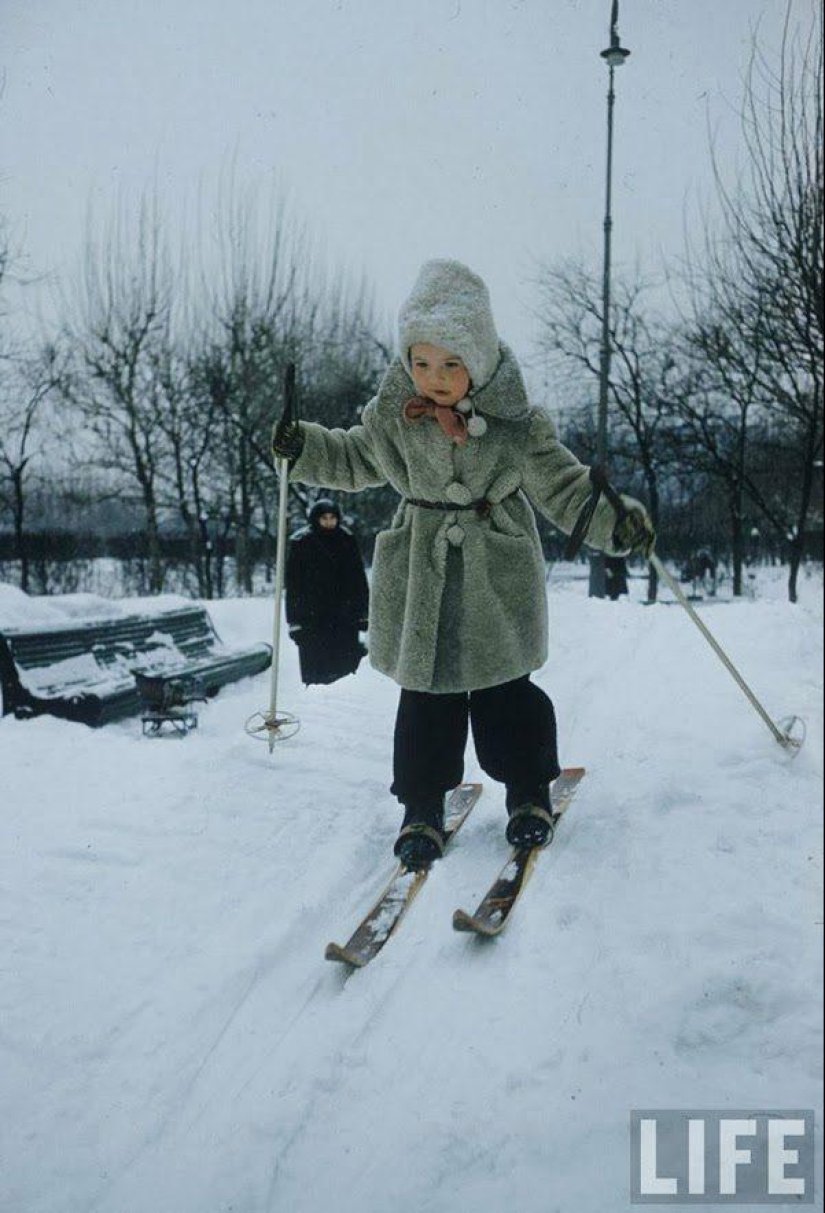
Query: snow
x=19, y=610
x=383, y=923
x=61, y=677
x=173, y=1041
x=113, y=673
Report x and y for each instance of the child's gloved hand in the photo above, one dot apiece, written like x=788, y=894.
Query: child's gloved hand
x=287, y=440
x=634, y=533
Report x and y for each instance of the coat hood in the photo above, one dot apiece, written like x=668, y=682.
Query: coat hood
x=504, y=396
x=323, y=506
x=449, y=305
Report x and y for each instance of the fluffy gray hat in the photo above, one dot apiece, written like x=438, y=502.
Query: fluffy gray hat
x=450, y=306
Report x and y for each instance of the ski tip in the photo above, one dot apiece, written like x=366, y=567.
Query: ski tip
x=462, y=921
x=335, y=952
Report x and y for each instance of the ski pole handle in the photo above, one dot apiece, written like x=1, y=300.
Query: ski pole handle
x=599, y=479
x=290, y=395
x=601, y=485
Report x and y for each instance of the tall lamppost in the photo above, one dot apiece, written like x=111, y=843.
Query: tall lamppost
x=614, y=56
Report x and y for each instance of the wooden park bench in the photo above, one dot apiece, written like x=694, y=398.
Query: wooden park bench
x=89, y=671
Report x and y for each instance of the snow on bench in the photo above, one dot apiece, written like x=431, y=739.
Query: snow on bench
x=64, y=659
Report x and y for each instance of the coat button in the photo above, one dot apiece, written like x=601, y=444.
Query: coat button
x=455, y=536
x=458, y=493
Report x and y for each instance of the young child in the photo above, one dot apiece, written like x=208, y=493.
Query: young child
x=458, y=612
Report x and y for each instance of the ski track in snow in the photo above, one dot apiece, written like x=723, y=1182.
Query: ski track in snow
x=172, y=1040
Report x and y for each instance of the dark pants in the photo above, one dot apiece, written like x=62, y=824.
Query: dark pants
x=514, y=730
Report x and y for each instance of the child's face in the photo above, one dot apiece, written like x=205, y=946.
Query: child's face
x=328, y=522
x=438, y=374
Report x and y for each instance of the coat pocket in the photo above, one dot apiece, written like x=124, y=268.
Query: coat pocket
x=390, y=584
x=513, y=518
x=392, y=548
x=514, y=566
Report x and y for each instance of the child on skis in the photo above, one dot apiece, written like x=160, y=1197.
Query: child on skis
x=459, y=612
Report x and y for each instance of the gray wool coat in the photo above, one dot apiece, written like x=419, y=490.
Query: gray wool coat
x=458, y=599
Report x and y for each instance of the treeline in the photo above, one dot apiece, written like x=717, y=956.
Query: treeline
x=146, y=414
x=159, y=390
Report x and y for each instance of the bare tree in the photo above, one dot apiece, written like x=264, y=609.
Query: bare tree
x=114, y=325
x=718, y=407
x=177, y=382
x=762, y=278
x=195, y=391
x=640, y=388
x=26, y=378
x=257, y=305
x=25, y=384
x=270, y=305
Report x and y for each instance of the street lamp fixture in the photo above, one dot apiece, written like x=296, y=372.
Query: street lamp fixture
x=615, y=54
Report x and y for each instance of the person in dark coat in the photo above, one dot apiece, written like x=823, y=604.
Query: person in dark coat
x=701, y=569
x=327, y=597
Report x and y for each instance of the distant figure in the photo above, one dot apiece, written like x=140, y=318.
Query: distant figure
x=327, y=597
x=615, y=577
x=701, y=569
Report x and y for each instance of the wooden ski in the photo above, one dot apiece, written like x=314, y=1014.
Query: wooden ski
x=497, y=905
x=380, y=922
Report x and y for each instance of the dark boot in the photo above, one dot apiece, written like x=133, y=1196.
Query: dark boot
x=531, y=818
x=421, y=839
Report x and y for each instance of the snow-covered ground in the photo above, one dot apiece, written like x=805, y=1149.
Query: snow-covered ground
x=172, y=1041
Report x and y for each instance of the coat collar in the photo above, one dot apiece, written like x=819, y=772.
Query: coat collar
x=505, y=396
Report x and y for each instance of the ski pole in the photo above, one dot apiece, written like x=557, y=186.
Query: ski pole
x=280, y=561
x=783, y=736
x=286, y=725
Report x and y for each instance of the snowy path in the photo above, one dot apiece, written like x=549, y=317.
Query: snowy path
x=171, y=1040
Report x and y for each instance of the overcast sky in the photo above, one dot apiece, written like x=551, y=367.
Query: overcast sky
x=401, y=131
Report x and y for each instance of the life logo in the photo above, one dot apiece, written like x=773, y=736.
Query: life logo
x=722, y=1157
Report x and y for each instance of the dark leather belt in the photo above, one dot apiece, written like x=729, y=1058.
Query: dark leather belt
x=481, y=507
